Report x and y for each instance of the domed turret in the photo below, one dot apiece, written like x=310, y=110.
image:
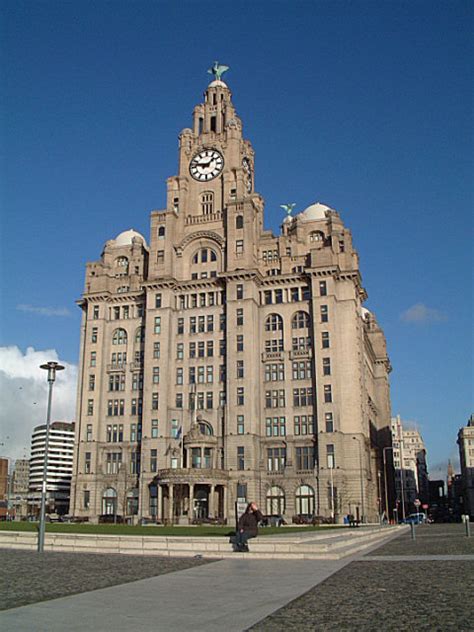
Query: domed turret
x=315, y=211
x=126, y=238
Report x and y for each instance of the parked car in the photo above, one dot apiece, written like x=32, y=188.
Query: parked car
x=415, y=518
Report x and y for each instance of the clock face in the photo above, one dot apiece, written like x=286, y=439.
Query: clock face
x=247, y=167
x=206, y=165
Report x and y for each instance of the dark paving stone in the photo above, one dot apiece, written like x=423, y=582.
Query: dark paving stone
x=390, y=595
x=431, y=539
x=28, y=577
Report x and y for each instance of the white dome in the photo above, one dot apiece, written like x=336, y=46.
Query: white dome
x=315, y=211
x=125, y=238
x=217, y=83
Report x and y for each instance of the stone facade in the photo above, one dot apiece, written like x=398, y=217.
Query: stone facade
x=466, y=459
x=223, y=362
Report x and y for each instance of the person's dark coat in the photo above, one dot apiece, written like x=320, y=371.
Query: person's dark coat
x=248, y=522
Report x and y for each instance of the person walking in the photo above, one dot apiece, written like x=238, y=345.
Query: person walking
x=247, y=527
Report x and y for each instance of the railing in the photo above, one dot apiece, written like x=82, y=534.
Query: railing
x=300, y=353
x=203, y=219
x=272, y=355
x=117, y=366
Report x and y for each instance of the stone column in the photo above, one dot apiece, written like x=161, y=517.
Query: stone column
x=191, y=502
x=212, y=494
x=170, y=502
x=159, y=503
x=224, y=501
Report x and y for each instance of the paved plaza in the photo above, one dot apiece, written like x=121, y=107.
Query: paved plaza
x=424, y=584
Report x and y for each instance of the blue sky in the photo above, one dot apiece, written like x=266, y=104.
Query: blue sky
x=366, y=106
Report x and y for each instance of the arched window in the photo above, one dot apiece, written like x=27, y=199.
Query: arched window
x=204, y=255
x=275, y=501
x=205, y=428
x=161, y=232
x=305, y=497
x=274, y=322
x=300, y=321
x=316, y=235
x=122, y=262
x=207, y=202
x=109, y=502
x=132, y=502
x=239, y=221
x=119, y=337
x=140, y=335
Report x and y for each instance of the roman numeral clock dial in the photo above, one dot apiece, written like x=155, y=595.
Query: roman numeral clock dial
x=206, y=165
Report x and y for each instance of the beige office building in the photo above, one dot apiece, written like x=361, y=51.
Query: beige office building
x=219, y=361
x=466, y=459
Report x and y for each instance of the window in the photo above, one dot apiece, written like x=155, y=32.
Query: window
x=240, y=396
x=115, y=407
x=192, y=375
x=201, y=349
x=274, y=322
x=276, y=459
x=239, y=291
x=200, y=401
x=192, y=349
x=157, y=326
x=324, y=313
x=331, y=459
x=210, y=323
x=137, y=382
x=239, y=317
x=222, y=373
x=179, y=400
x=87, y=499
x=89, y=432
x=304, y=457
x=302, y=370
x=180, y=329
x=179, y=375
x=274, y=372
x=161, y=232
x=323, y=288
x=239, y=246
x=153, y=460
x=306, y=293
x=154, y=428
x=116, y=312
x=174, y=428
x=222, y=322
x=154, y=401
x=302, y=343
x=91, y=382
x=274, y=346
x=302, y=397
x=275, y=399
x=240, y=369
x=95, y=312
x=240, y=424
x=240, y=342
x=192, y=325
x=303, y=424
x=94, y=334
x=275, y=501
x=116, y=382
x=239, y=222
x=329, y=422
x=93, y=358
x=87, y=463
x=278, y=296
x=267, y=297
x=275, y=426
x=140, y=335
x=240, y=458
x=136, y=407
x=156, y=375
x=209, y=400
x=204, y=255
x=200, y=373
x=316, y=235
x=160, y=256
x=113, y=463
x=326, y=366
x=305, y=497
x=300, y=321
x=125, y=311
x=134, y=462
x=210, y=348
x=325, y=340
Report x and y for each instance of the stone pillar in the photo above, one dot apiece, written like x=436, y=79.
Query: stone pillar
x=191, y=502
x=224, y=502
x=170, y=503
x=212, y=494
x=159, y=503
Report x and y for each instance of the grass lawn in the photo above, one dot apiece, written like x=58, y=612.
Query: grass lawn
x=121, y=529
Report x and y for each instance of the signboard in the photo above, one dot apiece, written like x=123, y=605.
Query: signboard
x=424, y=506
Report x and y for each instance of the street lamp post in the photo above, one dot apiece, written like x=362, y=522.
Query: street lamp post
x=51, y=367
x=361, y=481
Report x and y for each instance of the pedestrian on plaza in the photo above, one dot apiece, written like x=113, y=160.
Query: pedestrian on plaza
x=247, y=527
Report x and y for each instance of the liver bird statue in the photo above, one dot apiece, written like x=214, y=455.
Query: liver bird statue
x=218, y=70
x=288, y=208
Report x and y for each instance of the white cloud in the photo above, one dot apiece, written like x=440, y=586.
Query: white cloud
x=420, y=313
x=44, y=311
x=24, y=396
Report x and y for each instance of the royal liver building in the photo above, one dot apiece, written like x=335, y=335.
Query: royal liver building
x=219, y=361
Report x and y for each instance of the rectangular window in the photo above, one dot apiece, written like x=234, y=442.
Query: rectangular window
x=180, y=328
x=137, y=381
x=239, y=321
x=210, y=348
x=267, y=297
x=222, y=399
x=275, y=399
x=303, y=424
x=239, y=291
x=302, y=370
x=87, y=463
x=200, y=401
x=278, y=296
x=87, y=499
x=222, y=373
x=331, y=458
x=202, y=299
x=276, y=459
x=209, y=400
x=302, y=397
x=174, y=428
x=201, y=349
x=323, y=288
x=89, y=432
x=240, y=342
x=125, y=311
x=275, y=426
x=274, y=346
x=192, y=325
x=304, y=457
x=156, y=350
x=90, y=406
x=114, y=461
x=326, y=366
x=133, y=432
x=94, y=334
x=325, y=339
x=240, y=369
x=116, y=313
x=154, y=401
x=327, y=393
x=201, y=324
x=239, y=246
x=324, y=313
x=240, y=396
x=179, y=375
x=240, y=424
x=201, y=377
x=157, y=326
x=329, y=422
x=156, y=375
x=95, y=312
x=180, y=350
x=153, y=460
x=306, y=292
x=240, y=458
x=93, y=360
x=209, y=374
x=222, y=347
x=135, y=462
x=157, y=300
x=192, y=375
x=222, y=322
x=179, y=400
x=192, y=349
x=91, y=382
x=210, y=323
x=154, y=428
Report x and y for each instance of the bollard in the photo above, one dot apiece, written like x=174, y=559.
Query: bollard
x=412, y=527
x=468, y=526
